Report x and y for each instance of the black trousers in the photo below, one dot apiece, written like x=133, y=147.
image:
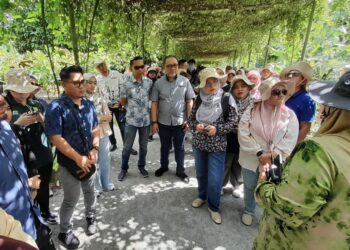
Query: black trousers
x=43, y=196
x=119, y=115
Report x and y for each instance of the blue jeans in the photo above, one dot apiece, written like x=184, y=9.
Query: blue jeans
x=210, y=173
x=169, y=135
x=104, y=166
x=130, y=133
x=250, y=179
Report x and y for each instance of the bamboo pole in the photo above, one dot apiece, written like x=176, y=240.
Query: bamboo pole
x=313, y=8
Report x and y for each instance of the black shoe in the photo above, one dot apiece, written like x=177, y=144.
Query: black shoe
x=160, y=171
x=49, y=218
x=183, y=177
x=122, y=175
x=113, y=148
x=133, y=152
x=143, y=172
x=69, y=240
x=91, y=225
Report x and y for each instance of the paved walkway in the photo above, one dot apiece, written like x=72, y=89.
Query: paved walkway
x=156, y=213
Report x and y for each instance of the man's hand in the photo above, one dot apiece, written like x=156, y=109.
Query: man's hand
x=93, y=156
x=155, y=128
x=34, y=182
x=185, y=127
x=25, y=120
x=84, y=163
x=200, y=128
x=264, y=159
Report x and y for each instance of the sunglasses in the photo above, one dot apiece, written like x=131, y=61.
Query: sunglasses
x=278, y=92
x=293, y=74
x=169, y=66
x=139, y=67
x=77, y=84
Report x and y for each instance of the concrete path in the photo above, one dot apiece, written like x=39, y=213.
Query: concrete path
x=156, y=213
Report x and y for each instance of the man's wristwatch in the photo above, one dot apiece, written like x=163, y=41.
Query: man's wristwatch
x=97, y=148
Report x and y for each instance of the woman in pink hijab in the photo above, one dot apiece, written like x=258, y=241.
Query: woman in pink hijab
x=254, y=77
x=266, y=130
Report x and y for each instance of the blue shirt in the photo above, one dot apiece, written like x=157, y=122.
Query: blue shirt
x=15, y=195
x=138, y=96
x=303, y=106
x=60, y=119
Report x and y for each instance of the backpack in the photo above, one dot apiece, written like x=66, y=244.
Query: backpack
x=225, y=99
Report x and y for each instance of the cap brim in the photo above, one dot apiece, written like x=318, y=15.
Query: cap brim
x=22, y=89
x=323, y=93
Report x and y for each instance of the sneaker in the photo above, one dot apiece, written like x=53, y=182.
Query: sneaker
x=113, y=148
x=215, y=216
x=69, y=240
x=49, y=218
x=91, y=225
x=122, y=175
x=133, y=152
x=160, y=171
x=143, y=172
x=238, y=192
x=222, y=192
x=198, y=202
x=183, y=177
x=247, y=219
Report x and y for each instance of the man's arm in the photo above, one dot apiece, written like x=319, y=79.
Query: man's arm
x=63, y=146
x=93, y=154
x=304, y=130
x=154, y=117
x=189, y=105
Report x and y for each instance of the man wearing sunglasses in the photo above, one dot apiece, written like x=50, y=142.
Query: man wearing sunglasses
x=298, y=76
x=172, y=100
x=134, y=95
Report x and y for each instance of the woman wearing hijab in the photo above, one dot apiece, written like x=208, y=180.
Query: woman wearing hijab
x=103, y=183
x=310, y=208
x=254, y=77
x=213, y=117
x=265, y=131
x=241, y=88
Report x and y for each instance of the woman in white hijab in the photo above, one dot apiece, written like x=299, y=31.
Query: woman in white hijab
x=213, y=116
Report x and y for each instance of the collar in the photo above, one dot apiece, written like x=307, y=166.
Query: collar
x=132, y=78
x=167, y=78
x=296, y=94
x=69, y=101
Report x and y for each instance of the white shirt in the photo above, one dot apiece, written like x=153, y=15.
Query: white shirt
x=110, y=85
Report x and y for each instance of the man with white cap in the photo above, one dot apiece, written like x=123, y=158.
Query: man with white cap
x=299, y=75
x=110, y=82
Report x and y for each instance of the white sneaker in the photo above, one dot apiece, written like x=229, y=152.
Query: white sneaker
x=222, y=192
x=238, y=192
x=247, y=219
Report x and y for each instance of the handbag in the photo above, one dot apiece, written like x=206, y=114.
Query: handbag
x=70, y=164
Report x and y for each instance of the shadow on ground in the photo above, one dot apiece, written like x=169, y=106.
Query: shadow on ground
x=156, y=213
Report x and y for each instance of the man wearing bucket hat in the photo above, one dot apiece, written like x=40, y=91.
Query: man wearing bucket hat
x=299, y=75
x=110, y=82
x=310, y=208
x=27, y=122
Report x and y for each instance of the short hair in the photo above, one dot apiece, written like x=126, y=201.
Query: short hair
x=182, y=61
x=66, y=71
x=136, y=58
x=192, y=61
x=167, y=57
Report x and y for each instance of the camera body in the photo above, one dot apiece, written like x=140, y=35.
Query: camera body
x=274, y=174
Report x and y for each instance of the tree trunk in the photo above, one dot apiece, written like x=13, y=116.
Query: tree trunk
x=90, y=33
x=303, y=53
x=43, y=21
x=267, y=47
x=143, y=34
x=73, y=32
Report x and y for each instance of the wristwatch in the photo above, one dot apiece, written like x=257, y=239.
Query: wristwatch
x=259, y=153
x=97, y=148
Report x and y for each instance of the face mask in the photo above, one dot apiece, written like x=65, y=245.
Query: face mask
x=191, y=67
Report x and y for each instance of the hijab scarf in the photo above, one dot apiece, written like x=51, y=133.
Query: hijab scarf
x=210, y=109
x=255, y=91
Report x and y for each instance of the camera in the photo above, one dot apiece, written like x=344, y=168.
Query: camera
x=274, y=174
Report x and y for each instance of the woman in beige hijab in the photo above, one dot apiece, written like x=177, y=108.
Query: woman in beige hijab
x=310, y=208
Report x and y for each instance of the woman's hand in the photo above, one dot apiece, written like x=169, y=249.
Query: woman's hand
x=106, y=118
x=34, y=182
x=25, y=120
x=211, y=130
x=200, y=128
x=264, y=159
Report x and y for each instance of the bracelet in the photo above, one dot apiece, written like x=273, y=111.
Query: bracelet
x=154, y=122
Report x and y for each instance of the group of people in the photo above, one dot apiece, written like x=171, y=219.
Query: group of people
x=244, y=125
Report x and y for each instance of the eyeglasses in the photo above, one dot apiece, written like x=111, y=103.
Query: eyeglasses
x=292, y=74
x=139, y=67
x=77, y=84
x=169, y=66
x=278, y=92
